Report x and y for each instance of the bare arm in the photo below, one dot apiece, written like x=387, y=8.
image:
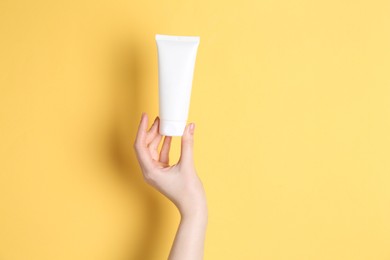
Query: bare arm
x=179, y=183
x=189, y=240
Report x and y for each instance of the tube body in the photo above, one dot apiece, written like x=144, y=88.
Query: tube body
x=176, y=63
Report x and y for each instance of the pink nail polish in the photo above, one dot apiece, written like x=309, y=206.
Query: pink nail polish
x=192, y=128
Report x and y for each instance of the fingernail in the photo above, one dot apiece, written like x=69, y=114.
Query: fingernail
x=192, y=128
x=142, y=115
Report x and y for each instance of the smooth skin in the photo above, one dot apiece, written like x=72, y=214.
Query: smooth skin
x=178, y=182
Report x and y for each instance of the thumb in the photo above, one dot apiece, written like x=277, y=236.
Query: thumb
x=187, y=145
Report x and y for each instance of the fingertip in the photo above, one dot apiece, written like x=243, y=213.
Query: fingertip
x=192, y=128
x=144, y=118
x=139, y=143
x=189, y=130
x=141, y=122
x=153, y=131
x=188, y=134
x=154, y=122
x=186, y=131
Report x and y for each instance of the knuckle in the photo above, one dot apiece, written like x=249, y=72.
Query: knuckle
x=189, y=144
x=188, y=140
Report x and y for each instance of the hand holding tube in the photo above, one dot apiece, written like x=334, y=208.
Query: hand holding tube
x=179, y=183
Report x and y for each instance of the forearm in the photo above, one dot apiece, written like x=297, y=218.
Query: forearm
x=190, y=236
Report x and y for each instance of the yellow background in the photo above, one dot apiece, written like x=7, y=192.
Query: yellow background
x=292, y=105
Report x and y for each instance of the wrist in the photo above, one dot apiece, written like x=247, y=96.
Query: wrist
x=195, y=214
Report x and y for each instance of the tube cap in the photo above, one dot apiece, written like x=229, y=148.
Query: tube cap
x=172, y=128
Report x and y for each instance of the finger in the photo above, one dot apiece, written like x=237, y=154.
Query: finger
x=141, y=133
x=164, y=153
x=153, y=146
x=140, y=144
x=187, y=145
x=152, y=131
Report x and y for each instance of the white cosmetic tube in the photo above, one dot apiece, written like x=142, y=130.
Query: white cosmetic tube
x=176, y=63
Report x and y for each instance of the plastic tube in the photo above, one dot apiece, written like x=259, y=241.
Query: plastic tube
x=176, y=63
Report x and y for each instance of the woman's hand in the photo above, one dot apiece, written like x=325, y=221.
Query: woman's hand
x=178, y=182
